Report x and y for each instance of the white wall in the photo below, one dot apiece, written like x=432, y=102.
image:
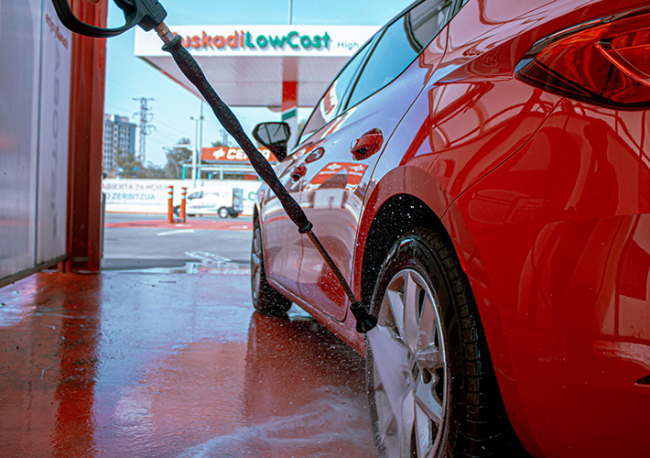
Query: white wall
x=28, y=75
x=53, y=144
x=150, y=196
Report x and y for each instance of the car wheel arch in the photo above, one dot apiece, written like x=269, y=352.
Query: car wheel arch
x=396, y=216
x=407, y=192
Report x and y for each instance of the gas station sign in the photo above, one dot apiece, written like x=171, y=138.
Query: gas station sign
x=245, y=39
x=225, y=154
x=261, y=40
x=249, y=64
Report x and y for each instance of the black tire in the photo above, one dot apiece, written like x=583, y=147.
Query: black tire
x=177, y=210
x=234, y=214
x=223, y=213
x=266, y=300
x=473, y=421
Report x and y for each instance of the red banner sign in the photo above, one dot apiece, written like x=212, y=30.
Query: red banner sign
x=230, y=155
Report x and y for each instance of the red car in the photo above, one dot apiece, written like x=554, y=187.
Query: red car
x=480, y=173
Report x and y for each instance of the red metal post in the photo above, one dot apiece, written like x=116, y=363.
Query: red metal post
x=170, y=205
x=88, y=71
x=183, y=203
x=290, y=104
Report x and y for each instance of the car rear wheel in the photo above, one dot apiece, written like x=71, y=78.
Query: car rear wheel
x=432, y=390
x=224, y=213
x=266, y=300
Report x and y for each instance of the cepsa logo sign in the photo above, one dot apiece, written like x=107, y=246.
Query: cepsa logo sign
x=226, y=154
x=246, y=40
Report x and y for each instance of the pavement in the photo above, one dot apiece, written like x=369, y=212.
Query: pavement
x=171, y=362
x=218, y=225
x=148, y=241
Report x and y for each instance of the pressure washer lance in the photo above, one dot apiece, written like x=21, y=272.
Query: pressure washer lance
x=150, y=14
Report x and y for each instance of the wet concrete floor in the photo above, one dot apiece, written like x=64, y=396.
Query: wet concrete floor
x=148, y=364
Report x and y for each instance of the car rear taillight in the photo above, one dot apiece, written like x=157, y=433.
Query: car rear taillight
x=606, y=62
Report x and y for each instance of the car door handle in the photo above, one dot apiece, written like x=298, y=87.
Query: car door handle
x=368, y=144
x=315, y=155
x=298, y=172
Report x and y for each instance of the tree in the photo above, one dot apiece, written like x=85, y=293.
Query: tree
x=127, y=165
x=176, y=157
x=130, y=167
x=153, y=171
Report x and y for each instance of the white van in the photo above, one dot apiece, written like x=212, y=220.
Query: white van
x=214, y=200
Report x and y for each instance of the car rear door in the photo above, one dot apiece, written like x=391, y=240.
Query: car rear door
x=345, y=149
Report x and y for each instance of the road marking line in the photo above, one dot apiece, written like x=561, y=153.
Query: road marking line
x=206, y=257
x=181, y=231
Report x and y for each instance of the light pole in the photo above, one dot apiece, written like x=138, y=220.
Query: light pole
x=197, y=144
x=290, y=12
x=201, y=132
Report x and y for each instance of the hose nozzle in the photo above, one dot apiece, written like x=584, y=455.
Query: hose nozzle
x=365, y=321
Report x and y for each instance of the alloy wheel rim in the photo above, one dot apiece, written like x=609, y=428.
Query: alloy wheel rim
x=410, y=376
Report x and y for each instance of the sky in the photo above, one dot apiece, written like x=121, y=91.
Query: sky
x=129, y=77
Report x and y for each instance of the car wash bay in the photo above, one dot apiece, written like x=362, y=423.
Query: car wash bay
x=135, y=362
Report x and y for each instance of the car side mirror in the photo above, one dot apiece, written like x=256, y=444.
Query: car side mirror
x=275, y=136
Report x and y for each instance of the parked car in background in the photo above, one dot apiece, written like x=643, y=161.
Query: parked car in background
x=480, y=173
x=224, y=201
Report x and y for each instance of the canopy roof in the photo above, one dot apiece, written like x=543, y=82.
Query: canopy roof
x=247, y=64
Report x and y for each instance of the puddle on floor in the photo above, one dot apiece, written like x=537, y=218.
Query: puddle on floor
x=206, y=263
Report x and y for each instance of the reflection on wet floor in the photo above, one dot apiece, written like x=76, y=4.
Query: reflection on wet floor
x=150, y=365
x=206, y=263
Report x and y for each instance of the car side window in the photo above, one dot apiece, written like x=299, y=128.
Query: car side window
x=329, y=105
x=400, y=44
x=195, y=195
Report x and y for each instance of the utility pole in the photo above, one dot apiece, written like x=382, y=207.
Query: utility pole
x=146, y=116
x=290, y=12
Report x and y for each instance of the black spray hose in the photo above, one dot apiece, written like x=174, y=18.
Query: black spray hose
x=150, y=14
x=191, y=69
